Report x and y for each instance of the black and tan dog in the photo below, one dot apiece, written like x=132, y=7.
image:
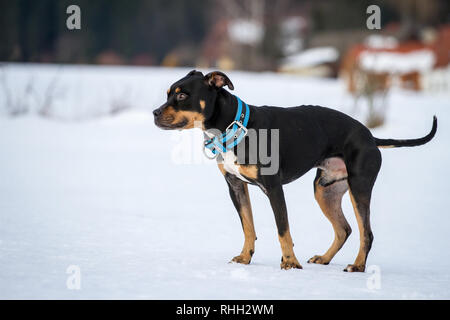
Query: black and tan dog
x=343, y=150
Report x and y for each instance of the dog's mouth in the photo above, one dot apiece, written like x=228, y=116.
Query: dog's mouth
x=166, y=123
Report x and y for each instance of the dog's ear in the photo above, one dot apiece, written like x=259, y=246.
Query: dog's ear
x=218, y=79
x=194, y=73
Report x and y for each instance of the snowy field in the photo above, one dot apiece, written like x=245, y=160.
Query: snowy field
x=110, y=196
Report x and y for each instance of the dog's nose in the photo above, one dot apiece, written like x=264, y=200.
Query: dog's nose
x=157, y=112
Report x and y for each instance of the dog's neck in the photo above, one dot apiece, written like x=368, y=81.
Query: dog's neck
x=224, y=111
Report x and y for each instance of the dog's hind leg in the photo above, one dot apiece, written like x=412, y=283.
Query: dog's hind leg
x=328, y=194
x=363, y=171
x=241, y=200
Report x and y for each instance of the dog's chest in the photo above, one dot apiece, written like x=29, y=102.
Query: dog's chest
x=230, y=165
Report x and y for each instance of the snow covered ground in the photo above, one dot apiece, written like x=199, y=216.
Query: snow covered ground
x=110, y=196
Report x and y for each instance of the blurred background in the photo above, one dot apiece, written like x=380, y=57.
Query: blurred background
x=247, y=35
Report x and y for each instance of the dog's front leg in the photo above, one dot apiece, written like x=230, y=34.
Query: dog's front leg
x=241, y=200
x=276, y=197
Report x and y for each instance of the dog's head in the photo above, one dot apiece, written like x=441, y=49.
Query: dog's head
x=190, y=99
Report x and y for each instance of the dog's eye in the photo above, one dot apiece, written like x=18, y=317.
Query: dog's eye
x=181, y=96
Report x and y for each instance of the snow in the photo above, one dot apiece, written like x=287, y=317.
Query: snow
x=396, y=62
x=110, y=196
x=377, y=41
x=311, y=57
x=291, y=30
x=246, y=31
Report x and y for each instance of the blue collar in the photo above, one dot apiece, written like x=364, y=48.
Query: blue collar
x=233, y=134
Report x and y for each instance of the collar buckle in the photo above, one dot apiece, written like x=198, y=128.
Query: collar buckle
x=238, y=131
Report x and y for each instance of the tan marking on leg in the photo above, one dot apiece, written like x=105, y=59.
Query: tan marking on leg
x=360, y=261
x=249, y=230
x=249, y=171
x=202, y=104
x=330, y=199
x=386, y=147
x=289, y=259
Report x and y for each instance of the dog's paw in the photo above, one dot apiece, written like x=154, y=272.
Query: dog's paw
x=318, y=260
x=289, y=263
x=241, y=259
x=355, y=268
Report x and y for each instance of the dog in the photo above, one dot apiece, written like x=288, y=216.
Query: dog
x=343, y=150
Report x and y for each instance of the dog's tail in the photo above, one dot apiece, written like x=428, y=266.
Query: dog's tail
x=393, y=143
